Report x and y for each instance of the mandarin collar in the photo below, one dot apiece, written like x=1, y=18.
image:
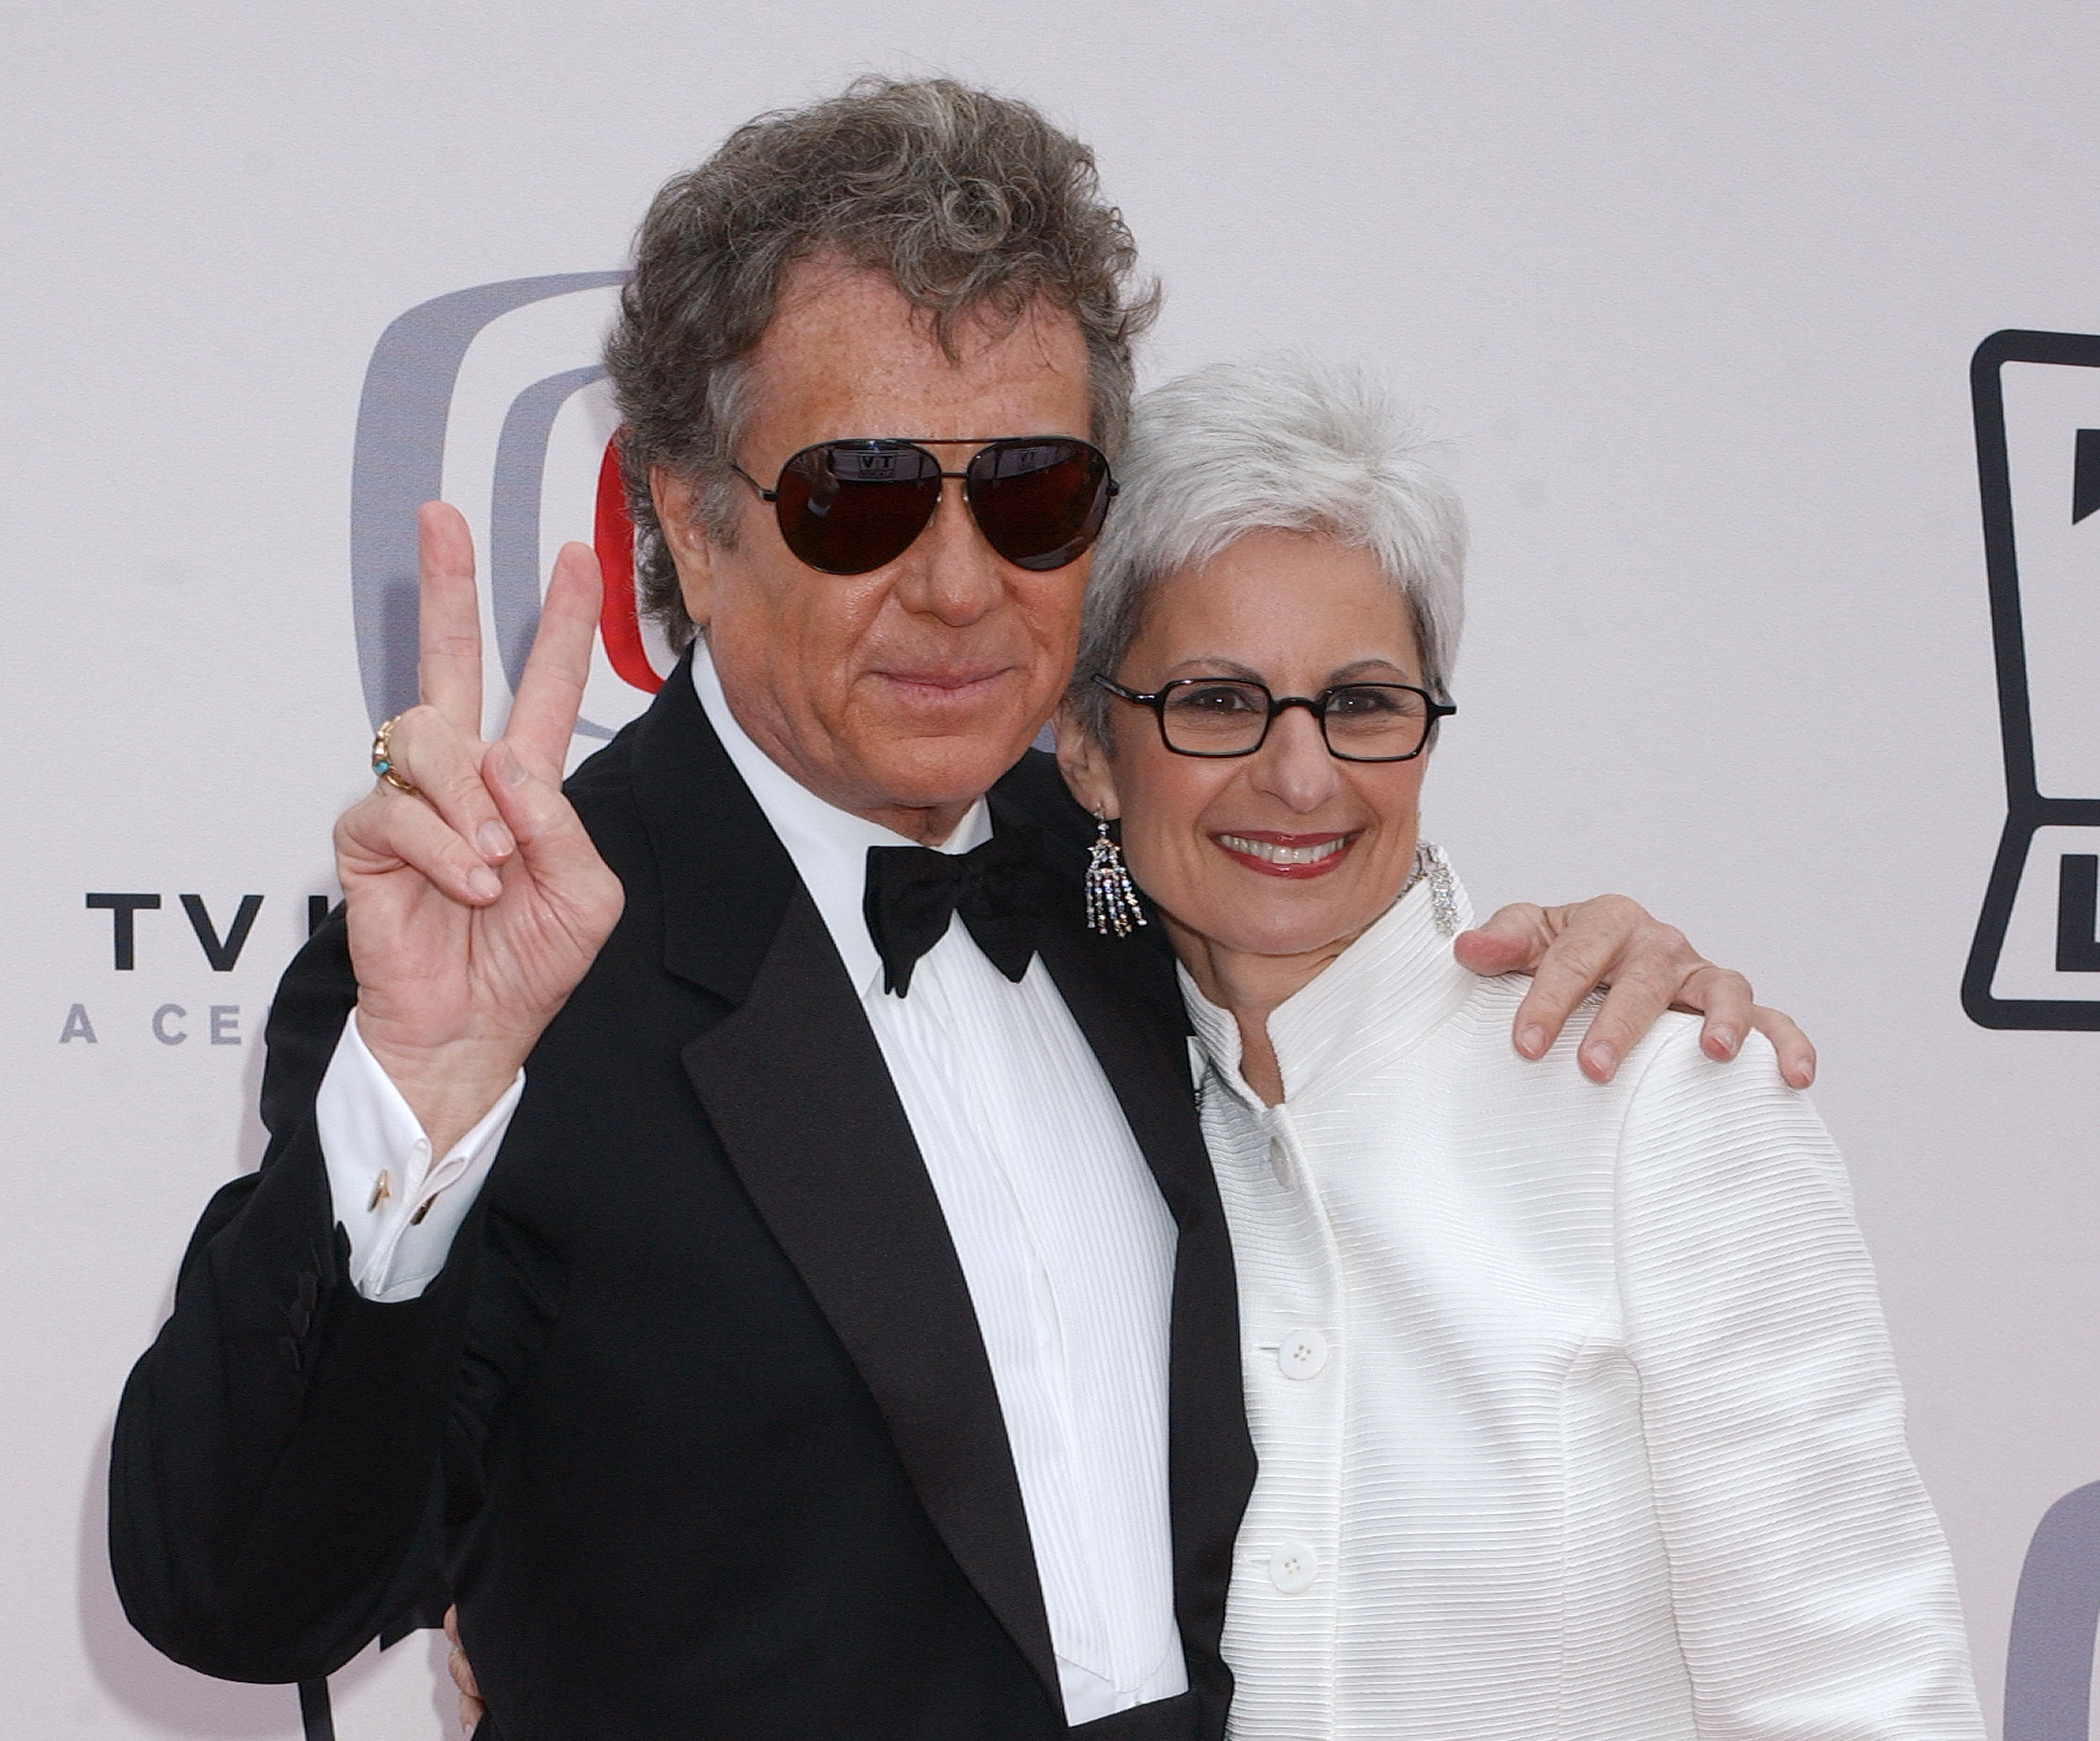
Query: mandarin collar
x=1381, y=997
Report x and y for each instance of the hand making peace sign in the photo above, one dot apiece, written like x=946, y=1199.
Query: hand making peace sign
x=476, y=900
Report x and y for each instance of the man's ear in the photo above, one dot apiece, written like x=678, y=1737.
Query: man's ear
x=1085, y=766
x=692, y=551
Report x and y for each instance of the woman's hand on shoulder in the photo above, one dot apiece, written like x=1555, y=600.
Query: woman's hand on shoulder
x=1649, y=967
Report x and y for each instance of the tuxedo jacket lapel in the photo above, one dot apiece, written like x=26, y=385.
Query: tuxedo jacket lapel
x=1121, y=992
x=795, y=1087
x=726, y=878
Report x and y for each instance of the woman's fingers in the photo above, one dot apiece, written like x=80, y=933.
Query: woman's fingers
x=471, y=1707
x=448, y=618
x=543, y=717
x=462, y=1672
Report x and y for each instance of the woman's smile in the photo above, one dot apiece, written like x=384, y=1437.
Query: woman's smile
x=1296, y=856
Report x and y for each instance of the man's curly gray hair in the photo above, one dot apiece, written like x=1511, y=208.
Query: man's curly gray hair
x=1280, y=445
x=972, y=204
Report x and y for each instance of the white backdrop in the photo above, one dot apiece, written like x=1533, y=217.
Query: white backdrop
x=1691, y=290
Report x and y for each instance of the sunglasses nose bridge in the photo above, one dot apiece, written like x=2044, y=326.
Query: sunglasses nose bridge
x=949, y=571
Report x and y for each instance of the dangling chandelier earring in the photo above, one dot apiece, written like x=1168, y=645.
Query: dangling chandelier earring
x=1111, y=903
x=1431, y=863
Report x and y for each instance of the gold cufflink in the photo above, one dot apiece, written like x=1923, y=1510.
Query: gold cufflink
x=382, y=1188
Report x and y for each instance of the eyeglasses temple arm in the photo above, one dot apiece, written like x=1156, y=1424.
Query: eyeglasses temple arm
x=764, y=495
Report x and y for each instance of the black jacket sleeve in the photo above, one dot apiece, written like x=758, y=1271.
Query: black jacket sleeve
x=274, y=1477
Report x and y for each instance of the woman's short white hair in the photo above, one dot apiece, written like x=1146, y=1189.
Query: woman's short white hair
x=1280, y=445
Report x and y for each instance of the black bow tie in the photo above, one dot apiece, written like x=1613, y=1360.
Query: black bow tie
x=913, y=891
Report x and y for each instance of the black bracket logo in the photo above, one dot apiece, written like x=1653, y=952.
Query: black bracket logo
x=2036, y=960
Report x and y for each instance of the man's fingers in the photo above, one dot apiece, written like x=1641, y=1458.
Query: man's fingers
x=1648, y=966
x=445, y=769
x=1513, y=941
x=552, y=844
x=448, y=618
x=390, y=830
x=1796, y=1053
x=1637, y=995
x=1587, y=940
x=543, y=717
x=1723, y=996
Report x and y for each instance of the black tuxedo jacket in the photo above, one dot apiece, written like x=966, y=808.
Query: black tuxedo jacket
x=696, y=1424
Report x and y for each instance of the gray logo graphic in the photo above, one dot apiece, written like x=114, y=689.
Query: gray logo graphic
x=2049, y=1664
x=401, y=417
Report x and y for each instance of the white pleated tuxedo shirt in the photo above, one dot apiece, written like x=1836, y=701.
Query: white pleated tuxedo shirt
x=1065, y=1244
x=1575, y=1413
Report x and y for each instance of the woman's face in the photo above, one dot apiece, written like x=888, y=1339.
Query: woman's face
x=1289, y=851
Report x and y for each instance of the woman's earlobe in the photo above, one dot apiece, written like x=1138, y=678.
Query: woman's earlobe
x=1081, y=760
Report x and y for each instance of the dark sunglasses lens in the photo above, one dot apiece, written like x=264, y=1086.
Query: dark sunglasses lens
x=846, y=507
x=1040, y=503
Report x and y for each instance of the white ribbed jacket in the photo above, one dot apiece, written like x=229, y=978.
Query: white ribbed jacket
x=1575, y=1411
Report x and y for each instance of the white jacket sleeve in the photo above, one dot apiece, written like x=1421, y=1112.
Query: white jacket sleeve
x=1814, y=1594
x=399, y=1211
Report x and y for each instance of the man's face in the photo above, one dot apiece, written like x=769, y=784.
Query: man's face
x=902, y=694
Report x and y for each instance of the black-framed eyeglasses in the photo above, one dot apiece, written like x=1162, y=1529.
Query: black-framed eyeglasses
x=849, y=507
x=1221, y=716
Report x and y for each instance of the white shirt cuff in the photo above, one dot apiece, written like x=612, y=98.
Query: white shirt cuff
x=399, y=1211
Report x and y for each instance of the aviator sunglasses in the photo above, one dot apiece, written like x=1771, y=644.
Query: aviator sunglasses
x=846, y=507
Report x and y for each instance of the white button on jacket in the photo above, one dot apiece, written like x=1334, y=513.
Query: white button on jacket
x=1303, y=1354
x=1294, y=1567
